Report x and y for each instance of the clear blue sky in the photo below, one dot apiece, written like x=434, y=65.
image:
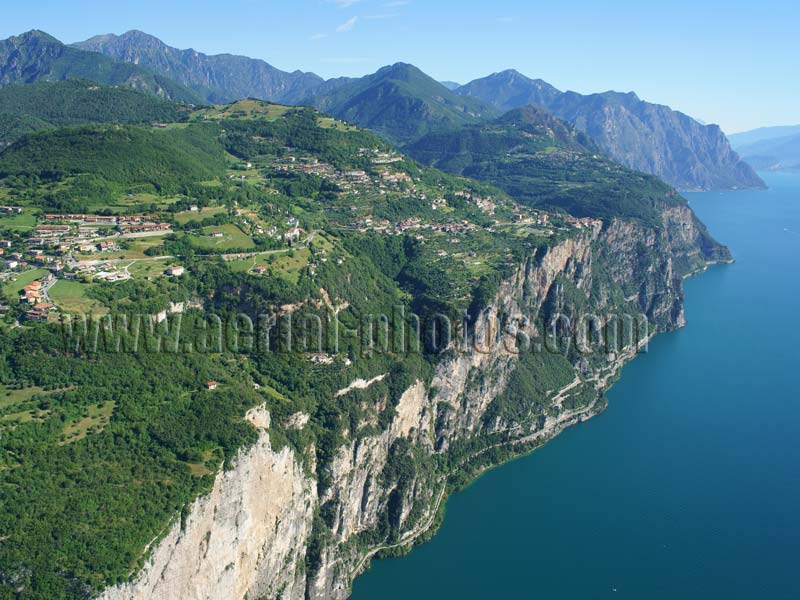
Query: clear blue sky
x=736, y=63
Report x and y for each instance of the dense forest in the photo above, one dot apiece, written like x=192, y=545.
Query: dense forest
x=124, y=155
x=109, y=432
x=48, y=105
x=542, y=161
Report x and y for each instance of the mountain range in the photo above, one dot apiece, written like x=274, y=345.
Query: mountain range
x=740, y=140
x=36, y=56
x=647, y=137
x=218, y=79
x=774, y=154
x=540, y=160
x=770, y=148
x=399, y=102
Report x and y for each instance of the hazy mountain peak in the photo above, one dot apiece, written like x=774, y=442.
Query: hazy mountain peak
x=37, y=56
x=218, y=78
x=35, y=34
x=402, y=71
x=510, y=89
x=640, y=135
x=510, y=75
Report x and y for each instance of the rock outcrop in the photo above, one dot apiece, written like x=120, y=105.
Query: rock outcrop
x=269, y=530
x=648, y=137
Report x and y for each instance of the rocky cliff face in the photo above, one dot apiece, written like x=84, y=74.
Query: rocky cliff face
x=219, y=78
x=648, y=137
x=656, y=139
x=36, y=56
x=247, y=538
x=269, y=530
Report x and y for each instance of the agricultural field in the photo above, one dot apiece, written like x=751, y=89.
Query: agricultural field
x=71, y=297
x=243, y=109
x=135, y=250
x=289, y=265
x=188, y=216
x=232, y=238
x=331, y=123
x=25, y=221
x=147, y=268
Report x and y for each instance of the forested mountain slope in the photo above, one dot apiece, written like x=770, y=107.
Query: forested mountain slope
x=648, y=137
x=36, y=56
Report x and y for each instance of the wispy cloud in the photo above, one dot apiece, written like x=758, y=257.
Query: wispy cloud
x=318, y=36
x=397, y=4
x=504, y=19
x=344, y=3
x=347, y=25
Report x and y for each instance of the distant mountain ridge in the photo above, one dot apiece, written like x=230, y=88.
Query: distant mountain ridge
x=509, y=89
x=542, y=161
x=774, y=153
x=648, y=137
x=37, y=56
x=399, y=102
x=745, y=138
x=217, y=78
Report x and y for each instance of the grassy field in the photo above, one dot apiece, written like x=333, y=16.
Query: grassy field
x=70, y=296
x=136, y=249
x=232, y=238
x=149, y=268
x=244, y=109
x=13, y=288
x=284, y=264
x=288, y=266
x=21, y=222
x=9, y=397
x=95, y=419
x=188, y=216
x=246, y=264
x=15, y=407
x=331, y=123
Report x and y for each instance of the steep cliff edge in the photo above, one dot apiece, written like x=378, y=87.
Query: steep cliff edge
x=523, y=373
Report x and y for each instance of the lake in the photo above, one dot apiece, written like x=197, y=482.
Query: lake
x=688, y=486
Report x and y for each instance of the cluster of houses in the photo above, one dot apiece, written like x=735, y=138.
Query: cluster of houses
x=350, y=180
x=531, y=217
x=34, y=295
x=125, y=223
x=585, y=222
x=111, y=220
x=55, y=236
x=145, y=227
x=16, y=261
x=487, y=205
x=379, y=157
x=309, y=166
x=102, y=272
x=412, y=224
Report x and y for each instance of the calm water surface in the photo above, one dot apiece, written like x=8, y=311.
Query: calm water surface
x=688, y=486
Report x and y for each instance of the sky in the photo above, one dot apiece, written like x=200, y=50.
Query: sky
x=734, y=63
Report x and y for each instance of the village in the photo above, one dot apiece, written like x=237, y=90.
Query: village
x=93, y=248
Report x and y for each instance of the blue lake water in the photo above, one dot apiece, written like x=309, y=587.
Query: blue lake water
x=688, y=486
